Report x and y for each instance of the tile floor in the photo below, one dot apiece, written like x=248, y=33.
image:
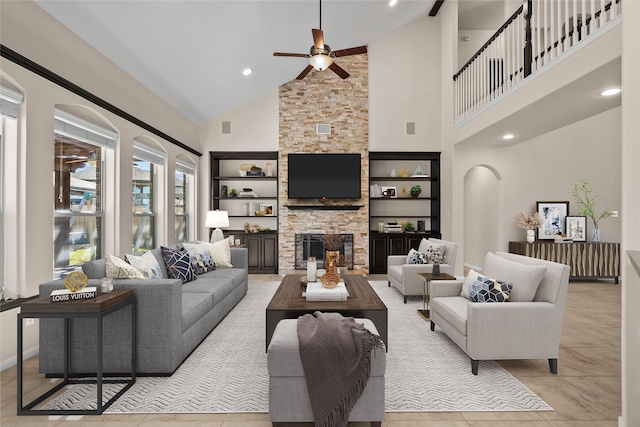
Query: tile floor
x=586, y=391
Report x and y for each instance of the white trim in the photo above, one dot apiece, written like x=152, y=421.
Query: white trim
x=148, y=153
x=13, y=360
x=10, y=101
x=185, y=167
x=82, y=130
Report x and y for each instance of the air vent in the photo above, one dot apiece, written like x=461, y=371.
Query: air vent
x=323, y=129
x=226, y=128
x=411, y=128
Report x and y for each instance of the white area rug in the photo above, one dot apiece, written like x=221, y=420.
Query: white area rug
x=426, y=371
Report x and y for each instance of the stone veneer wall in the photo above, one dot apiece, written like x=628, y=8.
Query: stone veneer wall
x=323, y=97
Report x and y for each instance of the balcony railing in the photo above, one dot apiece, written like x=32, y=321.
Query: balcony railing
x=536, y=34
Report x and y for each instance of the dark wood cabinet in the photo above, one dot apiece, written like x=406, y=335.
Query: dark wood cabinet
x=226, y=175
x=423, y=170
x=585, y=259
x=384, y=244
x=263, y=251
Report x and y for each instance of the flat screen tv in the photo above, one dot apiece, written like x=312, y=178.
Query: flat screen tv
x=324, y=176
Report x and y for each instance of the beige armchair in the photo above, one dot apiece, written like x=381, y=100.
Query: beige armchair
x=405, y=276
x=527, y=326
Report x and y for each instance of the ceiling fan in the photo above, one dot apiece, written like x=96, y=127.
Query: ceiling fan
x=321, y=56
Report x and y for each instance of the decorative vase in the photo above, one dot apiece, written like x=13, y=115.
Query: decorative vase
x=342, y=272
x=595, y=234
x=531, y=236
x=331, y=260
x=436, y=270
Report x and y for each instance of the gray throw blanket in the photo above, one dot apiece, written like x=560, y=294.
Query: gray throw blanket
x=336, y=358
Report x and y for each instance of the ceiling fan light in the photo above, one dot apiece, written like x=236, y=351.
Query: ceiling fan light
x=320, y=62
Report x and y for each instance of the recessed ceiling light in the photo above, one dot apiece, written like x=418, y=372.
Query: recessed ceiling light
x=508, y=136
x=392, y=2
x=610, y=92
x=246, y=71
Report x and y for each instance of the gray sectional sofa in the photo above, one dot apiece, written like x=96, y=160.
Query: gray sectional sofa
x=172, y=320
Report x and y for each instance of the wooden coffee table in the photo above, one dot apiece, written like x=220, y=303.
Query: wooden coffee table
x=363, y=301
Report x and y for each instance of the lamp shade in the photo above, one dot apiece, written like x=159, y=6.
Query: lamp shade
x=320, y=61
x=216, y=219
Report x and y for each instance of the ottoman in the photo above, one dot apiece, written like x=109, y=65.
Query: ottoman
x=288, y=395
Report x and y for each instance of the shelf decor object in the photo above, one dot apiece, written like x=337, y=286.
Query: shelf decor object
x=216, y=219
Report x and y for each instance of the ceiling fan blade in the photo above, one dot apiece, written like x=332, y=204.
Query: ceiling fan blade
x=295, y=55
x=304, y=72
x=338, y=70
x=351, y=51
x=318, y=38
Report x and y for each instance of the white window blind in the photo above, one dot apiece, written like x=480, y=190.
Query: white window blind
x=148, y=154
x=10, y=101
x=82, y=130
x=185, y=167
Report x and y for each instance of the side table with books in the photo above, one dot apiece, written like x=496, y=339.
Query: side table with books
x=92, y=308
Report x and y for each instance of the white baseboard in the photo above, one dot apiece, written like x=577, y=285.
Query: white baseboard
x=473, y=267
x=13, y=360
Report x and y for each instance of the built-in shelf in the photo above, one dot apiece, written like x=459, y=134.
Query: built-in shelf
x=324, y=207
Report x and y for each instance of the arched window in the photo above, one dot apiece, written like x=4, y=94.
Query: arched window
x=78, y=167
x=146, y=161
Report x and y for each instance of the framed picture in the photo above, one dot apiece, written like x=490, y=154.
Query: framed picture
x=268, y=208
x=553, y=216
x=390, y=192
x=576, y=227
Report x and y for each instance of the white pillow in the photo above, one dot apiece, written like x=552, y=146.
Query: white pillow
x=118, y=268
x=220, y=253
x=472, y=276
x=429, y=248
x=200, y=258
x=146, y=264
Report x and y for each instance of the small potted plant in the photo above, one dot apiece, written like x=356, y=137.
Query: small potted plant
x=582, y=194
x=415, y=191
x=408, y=226
x=233, y=192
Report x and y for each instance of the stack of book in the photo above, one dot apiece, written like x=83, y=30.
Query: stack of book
x=375, y=191
x=317, y=292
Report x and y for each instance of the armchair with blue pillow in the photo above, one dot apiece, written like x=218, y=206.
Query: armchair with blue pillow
x=402, y=270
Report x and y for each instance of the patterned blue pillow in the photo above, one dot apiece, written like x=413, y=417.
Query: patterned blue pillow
x=145, y=264
x=484, y=289
x=416, y=257
x=200, y=257
x=178, y=264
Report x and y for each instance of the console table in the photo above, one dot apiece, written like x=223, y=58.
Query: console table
x=585, y=259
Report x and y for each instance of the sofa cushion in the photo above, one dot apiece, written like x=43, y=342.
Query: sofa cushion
x=194, y=306
x=219, y=288
x=525, y=278
x=118, y=268
x=145, y=264
x=453, y=310
x=220, y=253
x=200, y=257
x=178, y=264
x=96, y=269
x=283, y=355
x=237, y=275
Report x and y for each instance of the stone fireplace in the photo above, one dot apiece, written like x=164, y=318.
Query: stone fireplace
x=309, y=244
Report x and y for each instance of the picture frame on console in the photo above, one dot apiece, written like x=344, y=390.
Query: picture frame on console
x=576, y=227
x=553, y=215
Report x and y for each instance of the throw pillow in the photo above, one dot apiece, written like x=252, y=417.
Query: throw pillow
x=485, y=289
x=220, y=253
x=118, y=268
x=434, y=251
x=145, y=264
x=525, y=278
x=416, y=257
x=178, y=264
x=200, y=257
x=472, y=276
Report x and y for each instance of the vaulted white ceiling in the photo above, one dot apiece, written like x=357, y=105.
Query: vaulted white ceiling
x=192, y=53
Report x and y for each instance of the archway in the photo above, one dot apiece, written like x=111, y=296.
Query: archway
x=482, y=214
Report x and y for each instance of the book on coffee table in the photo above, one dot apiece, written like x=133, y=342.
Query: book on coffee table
x=317, y=292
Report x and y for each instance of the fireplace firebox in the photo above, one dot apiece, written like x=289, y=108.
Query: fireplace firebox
x=311, y=244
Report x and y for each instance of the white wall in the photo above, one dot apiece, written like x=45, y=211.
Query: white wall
x=545, y=169
x=468, y=48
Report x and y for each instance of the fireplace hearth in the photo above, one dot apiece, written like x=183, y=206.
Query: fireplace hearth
x=310, y=244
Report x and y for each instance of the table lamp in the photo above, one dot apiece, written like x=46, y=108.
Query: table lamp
x=216, y=219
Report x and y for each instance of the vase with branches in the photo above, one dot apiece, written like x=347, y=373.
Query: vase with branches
x=529, y=223
x=582, y=193
x=332, y=245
